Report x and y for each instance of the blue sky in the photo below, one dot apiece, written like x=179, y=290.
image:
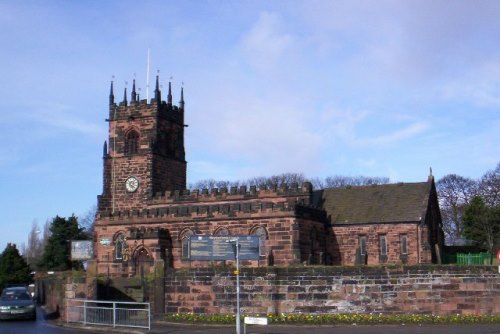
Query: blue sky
x=374, y=88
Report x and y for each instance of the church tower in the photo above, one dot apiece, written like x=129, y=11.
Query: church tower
x=145, y=155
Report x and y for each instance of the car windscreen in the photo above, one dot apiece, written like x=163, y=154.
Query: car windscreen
x=15, y=295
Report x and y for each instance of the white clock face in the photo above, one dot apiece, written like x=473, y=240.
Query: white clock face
x=131, y=184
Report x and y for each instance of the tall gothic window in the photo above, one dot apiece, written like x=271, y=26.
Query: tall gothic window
x=119, y=246
x=184, y=237
x=404, y=244
x=262, y=234
x=383, y=244
x=131, y=143
x=382, y=238
x=362, y=245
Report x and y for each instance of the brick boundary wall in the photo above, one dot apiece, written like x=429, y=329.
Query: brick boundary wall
x=440, y=290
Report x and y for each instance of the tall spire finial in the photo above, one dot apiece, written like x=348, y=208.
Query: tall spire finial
x=169, y=97
x=111, y=94
x=157, y=89
x=105, y=149
x=125, y=93
x=134, y=95
x=181, y=102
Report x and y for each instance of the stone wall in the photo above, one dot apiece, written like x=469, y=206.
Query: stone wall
x=320, y=289
x=53, y=290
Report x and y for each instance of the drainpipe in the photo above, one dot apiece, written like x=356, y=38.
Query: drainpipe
x=418, y=242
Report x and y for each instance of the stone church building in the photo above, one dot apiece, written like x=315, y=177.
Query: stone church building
x=145, y=214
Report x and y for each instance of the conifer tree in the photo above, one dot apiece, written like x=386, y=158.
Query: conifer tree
x=13, y=267
x=57, y=251
x=482, y=224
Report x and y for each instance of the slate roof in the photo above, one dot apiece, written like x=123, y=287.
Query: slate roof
x=388, y=203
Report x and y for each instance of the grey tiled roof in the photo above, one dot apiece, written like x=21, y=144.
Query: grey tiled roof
x=388, y=203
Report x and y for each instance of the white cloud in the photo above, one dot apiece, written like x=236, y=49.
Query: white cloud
x=60, y=117
x=266, y=43
x=342, y=123
x=395, y=136
x=477, y=85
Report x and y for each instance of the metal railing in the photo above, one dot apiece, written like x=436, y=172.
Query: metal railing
x=108, y=313
x=479, y=258
x=467, y=258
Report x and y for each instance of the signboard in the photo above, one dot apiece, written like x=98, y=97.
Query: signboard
x=255, y=321
x=105, y=241
x=82, y=250
x=218, y=248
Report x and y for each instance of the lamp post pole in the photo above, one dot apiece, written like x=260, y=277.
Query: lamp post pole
x=236, y=244
x=238, y=324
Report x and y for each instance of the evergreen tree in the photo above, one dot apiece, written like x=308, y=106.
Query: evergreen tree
x=13, y=267
x=482, y=224
x=57, y=251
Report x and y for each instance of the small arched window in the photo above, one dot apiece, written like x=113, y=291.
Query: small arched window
x=221, y=231
x=262, y=234
x=132, y=143
x=119, y=246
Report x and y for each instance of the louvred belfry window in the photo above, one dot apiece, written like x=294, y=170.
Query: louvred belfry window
x=132, y=143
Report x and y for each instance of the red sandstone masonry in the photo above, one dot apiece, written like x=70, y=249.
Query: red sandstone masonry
x=425, y=290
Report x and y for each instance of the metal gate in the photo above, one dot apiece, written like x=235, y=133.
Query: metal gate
x=108, y=313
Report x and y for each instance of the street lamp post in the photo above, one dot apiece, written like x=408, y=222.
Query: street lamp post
x=236, y=244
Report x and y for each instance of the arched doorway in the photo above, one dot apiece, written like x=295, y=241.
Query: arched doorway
x=143, y=262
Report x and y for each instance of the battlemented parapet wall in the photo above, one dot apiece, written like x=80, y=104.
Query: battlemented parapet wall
x=202, y=199
x=441, y=290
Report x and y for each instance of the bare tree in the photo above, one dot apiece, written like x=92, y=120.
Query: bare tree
x=87, y=221
x=259, y=182
x=489, y=187
x=34, y=248
x=344, y=181
x=276, y=180
x=46, y=233
x=317, y=183
x=455, y=193
x=212, y=184
x=289, y=178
